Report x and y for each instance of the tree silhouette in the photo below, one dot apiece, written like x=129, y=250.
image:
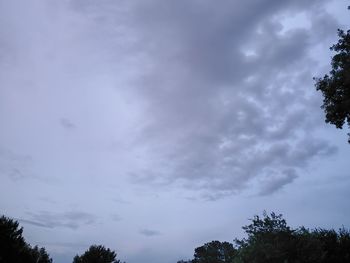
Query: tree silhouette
x=13, y=247
x=40, y=255
x=270, y=239
x=335, y=87
x=214, y=252
x=97, y=254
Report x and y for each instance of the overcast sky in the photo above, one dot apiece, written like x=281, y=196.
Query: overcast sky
x=154, y=126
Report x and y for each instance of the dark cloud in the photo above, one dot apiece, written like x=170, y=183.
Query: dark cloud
x=223, y=88
x=274, y=182
x=34, y=223
x=70, y=219
x=149, y=232
x=221, y=117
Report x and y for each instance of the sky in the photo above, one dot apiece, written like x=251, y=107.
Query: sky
x=154, y=126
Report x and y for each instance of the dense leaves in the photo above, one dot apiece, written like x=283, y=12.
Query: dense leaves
x=335, y=87
x=97, y=254
x=13, y=247
x=214, y=252
x=270, y=240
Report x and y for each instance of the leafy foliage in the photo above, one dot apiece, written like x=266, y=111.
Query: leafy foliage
x=40, y=255
x=97, y=254
x=214, y=252
x=270, y=239
x=13, y=247
x=335, y=87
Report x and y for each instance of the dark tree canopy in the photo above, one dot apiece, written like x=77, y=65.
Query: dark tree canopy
x=40, y=255
x=13, y=247
x=97, y=254
x=270, y=239
x=214, y=252
x=12, y=244
x=335, y=86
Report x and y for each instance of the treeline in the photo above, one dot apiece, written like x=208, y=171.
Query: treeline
x=268, y=240
x=14, y=248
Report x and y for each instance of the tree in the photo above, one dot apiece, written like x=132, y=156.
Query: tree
x=12, y=244
x=335, y=87
x=13, y=247
x=214, y=252
x=269, y=239
x=335, y=246
x=97, y=254
x=39, y=255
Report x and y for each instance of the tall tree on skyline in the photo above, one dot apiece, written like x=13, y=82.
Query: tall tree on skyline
x=335, y=86
x=97, y=254
x=14, y=248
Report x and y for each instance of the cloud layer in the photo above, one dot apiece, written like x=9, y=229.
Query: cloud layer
x=120, y=119
x=208, y=96
x=71, y=219
x=225, y=93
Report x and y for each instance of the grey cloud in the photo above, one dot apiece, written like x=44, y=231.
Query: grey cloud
x=11, y=156
x=120, y=200
x=34, y=223
x=149, y=232
x=68, y=245
x=70, y=219
x=323, y=25
x=219, y=119
x=212, y=116
x=199, y=98
x=16, y=174
x=205, y=38
x=274, y=182
x=67, y=124
x=14, y=165
x=116, y=217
